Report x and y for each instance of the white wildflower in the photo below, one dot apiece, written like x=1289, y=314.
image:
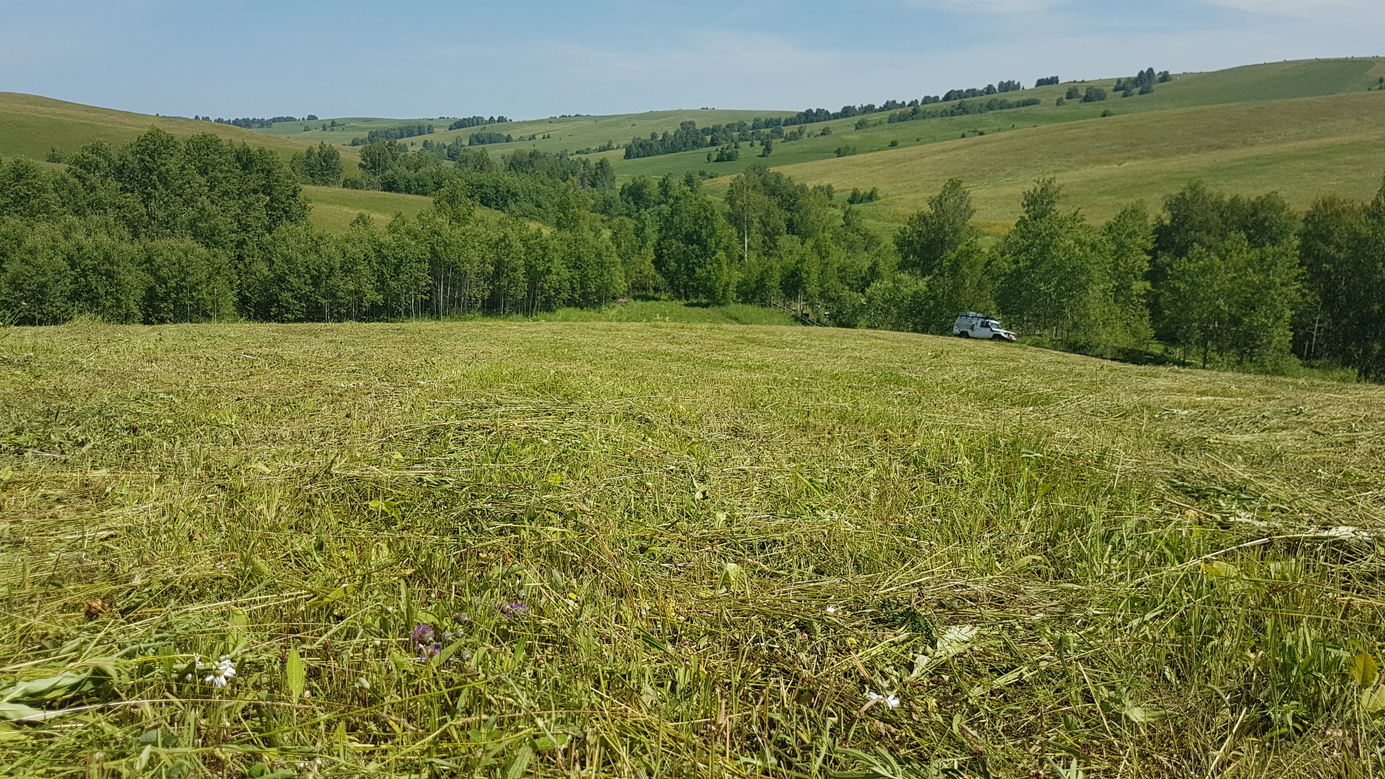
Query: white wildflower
x=890, y=700
x=831, y=609
x=222, y=671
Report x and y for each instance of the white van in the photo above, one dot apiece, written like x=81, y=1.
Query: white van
x=974, y=325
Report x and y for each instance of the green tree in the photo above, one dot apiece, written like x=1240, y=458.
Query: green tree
x=1050, y=267
x=693, y=244
x=1342, y=251
x=941, y=228
x=1130, y=240
x=1235, y=300
x=187, y=282
x=319, y=165
x=36, y=280
x=378, y=157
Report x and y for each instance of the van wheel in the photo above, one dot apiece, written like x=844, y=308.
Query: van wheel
x=997, y=338
x=964, y=334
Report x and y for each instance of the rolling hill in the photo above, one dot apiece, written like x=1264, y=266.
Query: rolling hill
x=31, y=125
x=1304, y=148
x=1304, y=128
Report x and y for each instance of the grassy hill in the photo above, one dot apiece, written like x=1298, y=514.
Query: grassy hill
x=334, y=208
x=620, y=549
x=30, y=126
x=1253, y=83
x=1302, y=148
x=568, y=133
x=1304, y=128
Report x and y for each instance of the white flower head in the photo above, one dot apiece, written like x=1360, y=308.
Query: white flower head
x=831, y=609
x=222, y=672
x=890, y=700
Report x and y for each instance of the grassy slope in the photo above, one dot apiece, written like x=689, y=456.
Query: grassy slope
x=31, y=125
x=1302, y=148
x=334, y=208
x=1270, y=81
x=569, y=133
x=1339, y=159
x=1275, y=81
x=722, y=537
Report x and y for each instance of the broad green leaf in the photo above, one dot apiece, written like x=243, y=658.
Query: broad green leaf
x=10, y=711
x=555, y=741
x=294, y=674
x=48, y=687
x=1364, y=669
x=1373, y=699
x=521, y=763
x=335, y=594
x=1222, y=570
x=1141, y=714
x=731, y=576
x=955, y=640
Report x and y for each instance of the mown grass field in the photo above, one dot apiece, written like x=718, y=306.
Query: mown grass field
x=606, y=549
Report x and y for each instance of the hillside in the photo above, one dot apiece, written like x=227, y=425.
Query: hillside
x=568, y=133
x=1304, y=128
x=334, y=208
x=30, y=126
x=1303, y=148
x=1252, y=83
x=623, y=549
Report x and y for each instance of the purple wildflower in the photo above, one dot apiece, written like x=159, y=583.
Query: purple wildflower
x=423, y=635
x=513, y=609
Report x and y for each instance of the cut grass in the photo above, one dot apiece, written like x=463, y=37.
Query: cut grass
x=668, y=549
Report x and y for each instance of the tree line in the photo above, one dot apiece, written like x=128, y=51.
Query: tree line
x=961, y=108
x=689, y=137
x=397, y=133
x=475, y=121
x=164, y=230
x=1229, y=280
x=255, y=123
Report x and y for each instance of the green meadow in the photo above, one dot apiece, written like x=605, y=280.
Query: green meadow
x=659, y=549
x=334, y=208
x=1303, y=128
x=30, y=126
x=1303, y=148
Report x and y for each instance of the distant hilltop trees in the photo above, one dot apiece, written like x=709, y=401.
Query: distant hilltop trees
x=476, y=121
x=689, y=136
x=397, y=133
x=255, y=123
x=1143, y=82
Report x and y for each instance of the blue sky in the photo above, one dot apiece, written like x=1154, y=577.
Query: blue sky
x=542, y=58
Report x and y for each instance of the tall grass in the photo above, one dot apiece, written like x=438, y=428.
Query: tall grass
x=609, y=549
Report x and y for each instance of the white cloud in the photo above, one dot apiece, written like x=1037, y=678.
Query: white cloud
x=1320, y=9
x=987, y=6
